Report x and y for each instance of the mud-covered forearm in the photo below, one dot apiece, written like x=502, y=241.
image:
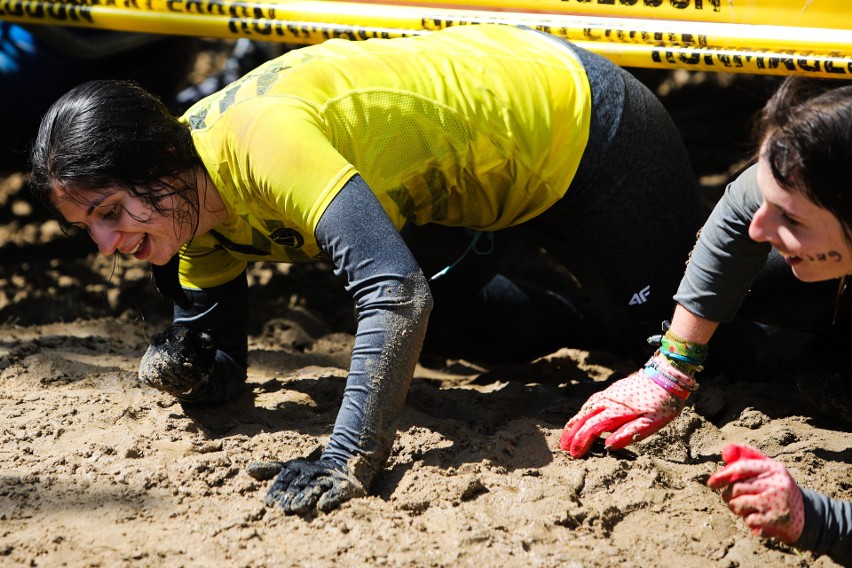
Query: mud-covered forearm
x=387, y=346
x=393, y=302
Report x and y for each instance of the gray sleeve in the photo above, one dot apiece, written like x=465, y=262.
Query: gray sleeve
x=393, y=302
x=725, y=261
x=828, y=527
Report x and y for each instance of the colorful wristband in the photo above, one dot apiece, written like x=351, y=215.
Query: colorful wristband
x=684, y=350
x=667, y=381
x=683, y=367
x=685, y=356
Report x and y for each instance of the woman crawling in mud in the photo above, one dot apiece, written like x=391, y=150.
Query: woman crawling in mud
x=416, y=166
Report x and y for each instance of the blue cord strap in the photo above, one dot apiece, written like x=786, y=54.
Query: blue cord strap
x=475, y=237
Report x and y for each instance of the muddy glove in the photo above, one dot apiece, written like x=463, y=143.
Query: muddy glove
x=179, y=361
x=631, y=409
x=303, y=485
x=761, y=491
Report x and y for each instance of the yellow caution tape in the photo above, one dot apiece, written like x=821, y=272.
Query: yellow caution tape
x=759, y=62
x=806, y=13
x=762, y=49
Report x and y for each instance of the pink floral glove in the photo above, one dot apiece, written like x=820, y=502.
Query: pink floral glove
x=761, y=491
x=631, y=409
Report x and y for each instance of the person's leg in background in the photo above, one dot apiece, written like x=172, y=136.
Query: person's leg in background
x=629, y=220
x=487, y=315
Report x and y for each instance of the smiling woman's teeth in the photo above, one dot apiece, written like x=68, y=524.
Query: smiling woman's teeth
x=138, y=246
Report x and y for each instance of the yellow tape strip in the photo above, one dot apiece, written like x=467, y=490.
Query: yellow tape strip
x=806, y=13
x=637, y=43
x=390, y=17
x=759, y=62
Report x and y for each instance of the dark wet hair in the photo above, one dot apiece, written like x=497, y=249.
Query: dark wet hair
x=114, y=134
x=806, y=132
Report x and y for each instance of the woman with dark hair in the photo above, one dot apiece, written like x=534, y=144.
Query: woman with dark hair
x=418, y=167
x=795, y=200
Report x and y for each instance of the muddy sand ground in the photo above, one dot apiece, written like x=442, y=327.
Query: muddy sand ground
x=97, y=469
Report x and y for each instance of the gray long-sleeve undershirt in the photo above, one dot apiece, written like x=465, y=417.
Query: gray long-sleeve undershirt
x=725, y=261
x=393, y=302
x=828, y=527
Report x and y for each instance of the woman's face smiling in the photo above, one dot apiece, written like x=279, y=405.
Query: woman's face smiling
x=809, y=237
x=120, y=222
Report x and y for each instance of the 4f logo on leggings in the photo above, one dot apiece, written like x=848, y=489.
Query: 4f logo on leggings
x=641, y=296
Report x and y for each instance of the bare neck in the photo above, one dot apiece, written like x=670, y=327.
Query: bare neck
x=211, y=208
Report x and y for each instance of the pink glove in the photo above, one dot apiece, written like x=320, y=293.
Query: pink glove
x=632, y=408
x=760, y=490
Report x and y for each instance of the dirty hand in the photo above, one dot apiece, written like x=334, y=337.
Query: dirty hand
x=303, y=485
x=631, y=409
x=178, y=361
x=760, y=490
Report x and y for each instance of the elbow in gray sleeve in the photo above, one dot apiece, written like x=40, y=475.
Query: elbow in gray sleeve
x=725, y=261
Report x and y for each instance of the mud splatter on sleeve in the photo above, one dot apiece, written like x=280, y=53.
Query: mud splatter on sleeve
x=393, y=303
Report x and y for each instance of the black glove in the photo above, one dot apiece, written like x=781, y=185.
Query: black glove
x=179, y=361
x=303, y=485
